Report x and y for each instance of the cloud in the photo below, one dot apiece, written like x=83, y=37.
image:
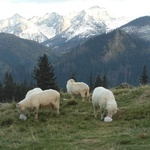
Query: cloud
x=30, y=8
x=36, y=1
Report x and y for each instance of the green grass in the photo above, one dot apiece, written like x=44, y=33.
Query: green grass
x=77, y=129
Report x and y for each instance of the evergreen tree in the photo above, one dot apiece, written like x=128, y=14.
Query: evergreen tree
x=9, y=90
x=105, y=83
x=9, y=87
x=98, y=82
x=1, y=92
x=23, y=89
x=144, y=76
x=44, y=74
x=91, y=82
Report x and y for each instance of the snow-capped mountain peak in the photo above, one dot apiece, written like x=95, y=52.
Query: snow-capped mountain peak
x=86, y=23
x=93, y=21
x=98, y=13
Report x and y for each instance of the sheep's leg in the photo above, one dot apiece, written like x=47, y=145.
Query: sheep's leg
x=95, y=111
x=102, y=114
x=109, y=114
x=88, y=95
x=83, y=99
x=83, y=96
x=57, y=109
x=29, y=112
x=36, y=113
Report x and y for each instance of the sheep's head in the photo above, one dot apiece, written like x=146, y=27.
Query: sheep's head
x=114, y=111
x=71, y=80
x=111, y=112
x=20, y=107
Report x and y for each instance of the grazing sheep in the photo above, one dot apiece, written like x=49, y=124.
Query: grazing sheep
x=32, y=91
x=104, y=99
x=38, y=99
x=77, y=88
x=29, y=111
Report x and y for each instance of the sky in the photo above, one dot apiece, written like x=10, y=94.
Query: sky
x=30, y=8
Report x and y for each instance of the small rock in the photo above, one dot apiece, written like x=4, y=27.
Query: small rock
x=107, y=119
x=22, y=116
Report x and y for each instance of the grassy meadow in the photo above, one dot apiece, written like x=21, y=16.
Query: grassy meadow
x=77, y=129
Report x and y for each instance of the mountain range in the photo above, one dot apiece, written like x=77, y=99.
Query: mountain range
x=117, y=55
x=62, y=32
x=139, y=28
x=82, y=44
x=19, y=56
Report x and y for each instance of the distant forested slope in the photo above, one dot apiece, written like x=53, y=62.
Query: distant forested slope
x=117, y=55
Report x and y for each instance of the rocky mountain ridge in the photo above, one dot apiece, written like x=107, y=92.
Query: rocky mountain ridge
x=119, y=54
x=83, y=24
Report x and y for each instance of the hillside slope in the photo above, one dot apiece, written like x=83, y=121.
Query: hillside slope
x=117, y=55
x=19, y=56
x=138, y=28
x=76, y=128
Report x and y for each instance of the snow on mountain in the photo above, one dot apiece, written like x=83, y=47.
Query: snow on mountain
x=93, y=21
x=139, y=27
x=86, y=23
x=50, y=24
x=21, y=27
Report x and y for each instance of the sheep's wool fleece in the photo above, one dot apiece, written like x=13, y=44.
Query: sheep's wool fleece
x=22, y=116
x=107, y=119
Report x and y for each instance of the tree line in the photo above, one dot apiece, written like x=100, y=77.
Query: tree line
x=45, y=78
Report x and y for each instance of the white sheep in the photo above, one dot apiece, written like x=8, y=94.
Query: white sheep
x=77, y=88
x=32, y=91
x=104, y=100
x=38, y=99
x=37, y=89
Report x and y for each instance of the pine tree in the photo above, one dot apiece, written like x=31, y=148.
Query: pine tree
x=44, y=74
x=91, y=82
x=98, y=82
x=9, y=87
x=144, y=76
x=105, y=83
x=1, y=92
